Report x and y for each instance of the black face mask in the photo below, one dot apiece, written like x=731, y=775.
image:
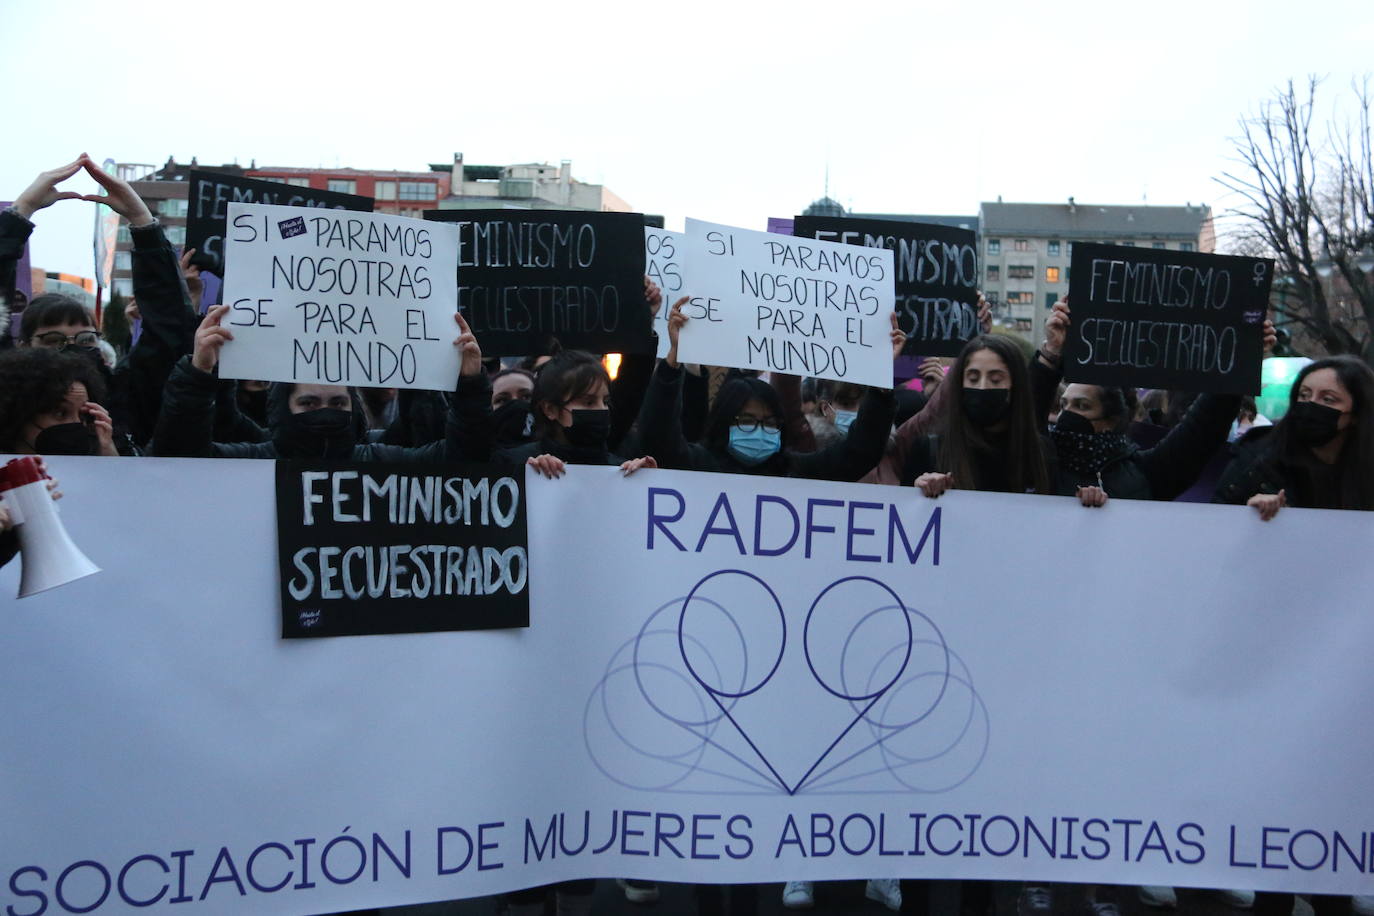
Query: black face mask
x=985, y=406
x=323, y=433
x=513, y=423
x=1313, y=424
x=1074, y=424
x=66, y=439
x=1081, y=448
x=590, y=429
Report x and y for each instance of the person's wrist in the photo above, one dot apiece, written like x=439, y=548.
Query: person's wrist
x=23, y=208
x=140, y=219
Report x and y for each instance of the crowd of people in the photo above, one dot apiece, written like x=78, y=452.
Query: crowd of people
x=995, y=419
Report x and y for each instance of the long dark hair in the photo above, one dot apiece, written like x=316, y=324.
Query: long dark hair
x=731, y=398
x=570, y=374
x=1355, y=466
x=960, y=439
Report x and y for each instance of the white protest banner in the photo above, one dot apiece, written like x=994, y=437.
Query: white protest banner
x=340, y=298
x=726, y=679
x=783, y=304
x=663, y=265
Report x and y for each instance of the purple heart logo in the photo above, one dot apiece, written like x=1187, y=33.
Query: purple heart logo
x=860, y=693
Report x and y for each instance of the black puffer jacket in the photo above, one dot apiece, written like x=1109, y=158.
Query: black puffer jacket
x=185, y=427
x=660, y=435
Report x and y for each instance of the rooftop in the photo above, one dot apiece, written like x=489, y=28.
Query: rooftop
x=955, y=222
x=1089, y=220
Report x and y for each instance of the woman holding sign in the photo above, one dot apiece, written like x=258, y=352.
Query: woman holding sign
x=1090, y=454
x=1320, y=455
x=312, y=421
x=745, y=430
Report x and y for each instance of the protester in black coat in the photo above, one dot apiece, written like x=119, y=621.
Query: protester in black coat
x=135, y=385
x=988, y=438
x=1320, y=455
x=312, y=421
x=746, y=432
x=570, y=402
x=1089, y=447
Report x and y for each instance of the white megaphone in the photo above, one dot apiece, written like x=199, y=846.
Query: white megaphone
x=48, y=555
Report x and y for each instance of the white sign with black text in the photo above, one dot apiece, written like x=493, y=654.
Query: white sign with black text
x=335, y=297
x=777, y=303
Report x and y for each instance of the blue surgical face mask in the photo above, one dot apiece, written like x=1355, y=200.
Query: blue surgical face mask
x=754, y=448
x=843, y=418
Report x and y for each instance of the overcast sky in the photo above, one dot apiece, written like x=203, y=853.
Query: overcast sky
x=730, y=112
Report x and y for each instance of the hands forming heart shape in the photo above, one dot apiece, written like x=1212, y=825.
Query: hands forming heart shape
x=118, y=194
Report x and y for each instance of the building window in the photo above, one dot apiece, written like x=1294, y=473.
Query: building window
x=1021, y=272
x=343, y=185
x=123, y=261
x=1054, y=248
x=1021, y=245
x=1158, y=245
x=124, y=237
x=176, y=234
x=124, y=286
x=298, y=182
x=1185, y=246
x=994, y=246
x=417, y=190
x=994, y=273
x=1128, y=244
x=385, y=190
x=1051, y=274
x=171, y=207
x=1022, y=298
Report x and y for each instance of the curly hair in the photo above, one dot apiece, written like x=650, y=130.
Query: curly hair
x=35, y=381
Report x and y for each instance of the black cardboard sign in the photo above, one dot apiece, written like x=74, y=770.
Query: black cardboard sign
x=211, y=194
x=1155, y=318
x=401, y=548
x=526, y=276
x=936, y=275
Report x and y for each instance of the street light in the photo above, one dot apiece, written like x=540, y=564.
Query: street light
x=1365, y=259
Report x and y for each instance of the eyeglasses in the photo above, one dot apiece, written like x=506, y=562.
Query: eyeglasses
x=749, y=424
x=58, y=339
